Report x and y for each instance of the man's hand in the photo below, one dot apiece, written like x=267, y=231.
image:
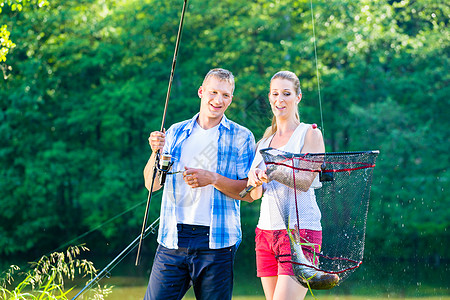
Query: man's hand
x=199, y=177
x=157, y=140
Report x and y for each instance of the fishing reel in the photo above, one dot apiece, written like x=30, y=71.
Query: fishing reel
x=164, y=166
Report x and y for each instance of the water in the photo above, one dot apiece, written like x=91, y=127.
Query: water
x=387, y=279
x=395, y=278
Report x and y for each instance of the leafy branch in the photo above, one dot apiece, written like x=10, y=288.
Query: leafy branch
x=15, y=5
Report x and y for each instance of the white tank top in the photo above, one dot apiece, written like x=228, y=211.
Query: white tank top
x=309, y=214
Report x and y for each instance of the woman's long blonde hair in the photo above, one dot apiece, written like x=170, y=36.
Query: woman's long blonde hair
x=288, y=75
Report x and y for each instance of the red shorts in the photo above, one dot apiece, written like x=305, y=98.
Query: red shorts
x=273, y=250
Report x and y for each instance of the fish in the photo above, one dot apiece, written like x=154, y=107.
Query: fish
x=306, y=274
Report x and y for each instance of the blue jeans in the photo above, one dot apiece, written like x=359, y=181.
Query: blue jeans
x=210, y=271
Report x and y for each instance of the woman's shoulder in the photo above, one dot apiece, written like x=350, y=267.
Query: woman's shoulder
x=305, y=129
x=312, y=132
x=314, y=141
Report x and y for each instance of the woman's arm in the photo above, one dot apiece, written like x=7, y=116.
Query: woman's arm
x=313, y=141
x=313, y=144
x=256, y=177
x=303, y=179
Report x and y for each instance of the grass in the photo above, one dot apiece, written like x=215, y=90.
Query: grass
x=127, y=288
x=137, y=292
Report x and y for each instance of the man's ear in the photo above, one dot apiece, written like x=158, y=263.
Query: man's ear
x=200, y=92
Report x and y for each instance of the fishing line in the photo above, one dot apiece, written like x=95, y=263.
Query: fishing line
x=106, y=271
x=323, y=176
x=317, y=68
x=97, y=227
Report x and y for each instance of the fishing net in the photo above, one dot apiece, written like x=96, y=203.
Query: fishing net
x=342, y=198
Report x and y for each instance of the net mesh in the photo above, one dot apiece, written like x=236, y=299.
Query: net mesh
x=337, y=204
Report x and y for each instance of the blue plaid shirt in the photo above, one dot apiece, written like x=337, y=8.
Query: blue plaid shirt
x=236, y=149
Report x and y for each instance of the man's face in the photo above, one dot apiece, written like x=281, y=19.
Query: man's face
x=216, y=96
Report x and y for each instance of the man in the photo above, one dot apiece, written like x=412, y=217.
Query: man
x=200, y=216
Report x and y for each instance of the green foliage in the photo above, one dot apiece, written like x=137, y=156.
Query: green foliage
x=5, y=43
x=45, y=280
x=88, y=82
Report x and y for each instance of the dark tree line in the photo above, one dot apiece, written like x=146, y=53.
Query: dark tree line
x=87, y=81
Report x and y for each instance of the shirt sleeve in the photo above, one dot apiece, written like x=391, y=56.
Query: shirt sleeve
x=246, y=155
x=169, y=140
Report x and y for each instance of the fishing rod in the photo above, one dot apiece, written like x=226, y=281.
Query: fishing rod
x=150, y=229
x=155, y=167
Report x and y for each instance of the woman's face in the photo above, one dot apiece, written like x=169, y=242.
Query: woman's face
x=283, y=98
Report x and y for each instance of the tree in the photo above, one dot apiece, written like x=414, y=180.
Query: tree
x=11, y=7
x=89, y=80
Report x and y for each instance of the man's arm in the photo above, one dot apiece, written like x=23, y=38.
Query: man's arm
x=148, y=173
x=156, y=141
x=230, y=187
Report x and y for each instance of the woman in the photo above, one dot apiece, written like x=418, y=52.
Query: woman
x=286, y=133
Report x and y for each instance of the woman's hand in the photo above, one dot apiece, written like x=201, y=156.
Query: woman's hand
x=257, y=177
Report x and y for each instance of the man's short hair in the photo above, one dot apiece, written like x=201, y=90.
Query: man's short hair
x=220, y=74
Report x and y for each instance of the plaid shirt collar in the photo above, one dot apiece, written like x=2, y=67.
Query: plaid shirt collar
x=224, y=123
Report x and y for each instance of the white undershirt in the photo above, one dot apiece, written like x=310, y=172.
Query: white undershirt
x=199, y=151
